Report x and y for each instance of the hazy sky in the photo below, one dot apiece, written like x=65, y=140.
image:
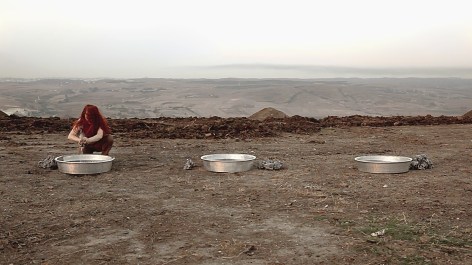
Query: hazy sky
x=138, y=38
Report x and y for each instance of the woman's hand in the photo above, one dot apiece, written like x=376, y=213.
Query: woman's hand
x=83, y=141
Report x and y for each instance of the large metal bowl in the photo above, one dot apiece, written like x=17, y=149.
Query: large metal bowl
x=383, y=164
x=231, y=163
x=84, y=164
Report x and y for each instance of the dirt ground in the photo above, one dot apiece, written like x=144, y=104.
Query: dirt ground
x=318, y=209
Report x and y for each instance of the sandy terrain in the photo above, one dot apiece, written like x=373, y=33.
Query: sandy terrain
x=319, y=209
x=319, y=98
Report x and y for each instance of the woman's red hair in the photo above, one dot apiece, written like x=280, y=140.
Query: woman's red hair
x=98, y=121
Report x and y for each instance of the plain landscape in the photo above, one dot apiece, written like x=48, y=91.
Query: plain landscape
x=232, y=97
x=318, y=209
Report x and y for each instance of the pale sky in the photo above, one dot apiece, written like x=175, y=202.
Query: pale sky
x=180, y=38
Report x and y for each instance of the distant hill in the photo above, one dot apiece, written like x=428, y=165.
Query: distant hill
x=267, y=113
x=3, y=114
x=468, y=114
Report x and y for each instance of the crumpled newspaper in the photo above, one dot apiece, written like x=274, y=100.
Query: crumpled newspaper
x=421, y=162
x=189, y=164
x=48, y=162
x=379, y=233
x=271, y=164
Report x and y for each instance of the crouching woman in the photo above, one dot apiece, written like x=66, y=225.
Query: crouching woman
x=92, y=132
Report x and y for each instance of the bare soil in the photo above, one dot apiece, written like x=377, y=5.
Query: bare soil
x=319, y=209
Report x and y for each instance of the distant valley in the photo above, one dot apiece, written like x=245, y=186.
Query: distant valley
x=234, y=97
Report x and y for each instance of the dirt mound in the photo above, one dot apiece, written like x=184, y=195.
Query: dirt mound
x=3, y=114
x=265, y=113
x=468, y=114
x=222, y=128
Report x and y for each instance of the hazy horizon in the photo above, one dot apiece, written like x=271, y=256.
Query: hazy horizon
x=240, y=39
x=262, y=71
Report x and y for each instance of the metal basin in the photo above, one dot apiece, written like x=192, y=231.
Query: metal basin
x=84, y=164
x=231, y=163
x=383, y=164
